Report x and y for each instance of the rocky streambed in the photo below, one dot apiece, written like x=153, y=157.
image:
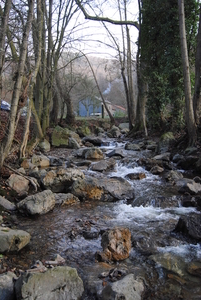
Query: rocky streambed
x=113, y=220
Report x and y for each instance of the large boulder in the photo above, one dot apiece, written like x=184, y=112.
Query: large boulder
x=103, y=189
x=59, y=283
x=190, y=226
x=90, y=153
x=116, y=244
x=38, y=204
x=7, y=291
x=66, y=199
x=13, y=239
x=59, y=181
x=128, y=288
x=18, y=183
x=61, y=136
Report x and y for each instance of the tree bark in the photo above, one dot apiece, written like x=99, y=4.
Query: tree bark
x=3, y=29
x=196, y=96
x=190, y=120
x=8, y=138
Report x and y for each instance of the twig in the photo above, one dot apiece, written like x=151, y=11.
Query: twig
x=33, y=181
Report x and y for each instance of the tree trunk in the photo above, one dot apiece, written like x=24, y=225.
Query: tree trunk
x=190, y=120
x=196, y=96
x=33, y=82
x=3, y=28
x=70, y=117
x=8, y=138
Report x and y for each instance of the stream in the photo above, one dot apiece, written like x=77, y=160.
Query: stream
x=159, y=256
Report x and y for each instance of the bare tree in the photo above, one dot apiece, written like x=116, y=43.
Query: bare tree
x=8, y=138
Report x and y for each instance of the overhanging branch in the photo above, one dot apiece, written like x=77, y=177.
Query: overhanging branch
x=104, y=19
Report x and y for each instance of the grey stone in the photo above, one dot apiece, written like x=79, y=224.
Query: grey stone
x=59, y=283
x=7, y=286
x=13, y=240
x=7, y=204
x=40, y=203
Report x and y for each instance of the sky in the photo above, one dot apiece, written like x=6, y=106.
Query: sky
x=94, y=36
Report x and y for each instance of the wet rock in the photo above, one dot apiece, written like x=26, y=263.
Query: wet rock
x=96, y=141
x=116, y=152
x=194, y=268
x=59, y=181
x=190, y=226
x=136, y=176
x=133, y=147
x=66, y=199
x=103, y=189
x=7, y=291
x=197, y=179
x=7, y=204
x=104, y=165
x=116, y=243
x=91, y=234
x=128, y=288
x=18, y=183
x=156, y=170
x=170, y=262
x=58, y=260
x=39, y=204
x=40, y=161
x=44, y=146
x=60, y=136
x=13, y=240
x=58, y=283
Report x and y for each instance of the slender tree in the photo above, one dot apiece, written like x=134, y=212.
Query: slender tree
x=190, y=119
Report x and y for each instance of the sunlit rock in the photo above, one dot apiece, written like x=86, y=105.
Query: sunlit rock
x=18, y=183
x=13, y=240
x=116, y=244
x=59, y=181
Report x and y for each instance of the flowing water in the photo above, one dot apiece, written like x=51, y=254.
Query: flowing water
x=158, y=255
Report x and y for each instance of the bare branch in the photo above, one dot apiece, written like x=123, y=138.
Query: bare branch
x=104, y=19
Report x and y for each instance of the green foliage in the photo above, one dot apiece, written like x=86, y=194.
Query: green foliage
x=161, y=55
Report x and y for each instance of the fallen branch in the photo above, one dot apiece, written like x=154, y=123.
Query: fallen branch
x=33, y=181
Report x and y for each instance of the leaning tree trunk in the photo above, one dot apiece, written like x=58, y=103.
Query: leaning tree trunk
x=190, y=120
x=8, y=138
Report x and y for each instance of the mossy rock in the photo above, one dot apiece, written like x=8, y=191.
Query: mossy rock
x=60, y=136
x=83, y=131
